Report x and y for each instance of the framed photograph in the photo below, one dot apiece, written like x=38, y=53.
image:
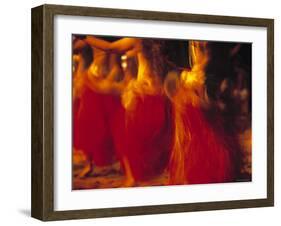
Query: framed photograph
x=141, y=112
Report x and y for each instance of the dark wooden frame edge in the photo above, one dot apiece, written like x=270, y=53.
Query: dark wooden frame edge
x=42, y=194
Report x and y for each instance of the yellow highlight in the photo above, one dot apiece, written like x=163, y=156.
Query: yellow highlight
x=191, y=91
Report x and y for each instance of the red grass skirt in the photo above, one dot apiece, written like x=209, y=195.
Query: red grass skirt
x=147, y=137
x=209, y=155
x=92, y=119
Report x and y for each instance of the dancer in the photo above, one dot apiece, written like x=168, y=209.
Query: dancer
x=146, y=140
x=202, y=153
x=92, y=132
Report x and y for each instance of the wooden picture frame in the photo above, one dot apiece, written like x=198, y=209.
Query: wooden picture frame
x=42, y=203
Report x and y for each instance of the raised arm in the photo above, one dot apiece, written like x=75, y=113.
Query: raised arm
x=120, y=46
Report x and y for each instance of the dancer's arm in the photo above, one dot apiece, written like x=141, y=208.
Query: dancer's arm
x=79, y=44
x=119, y=46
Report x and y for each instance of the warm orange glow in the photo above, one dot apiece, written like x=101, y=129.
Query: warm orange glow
x=245, y=140
x=190, y=92
x=141, y=129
